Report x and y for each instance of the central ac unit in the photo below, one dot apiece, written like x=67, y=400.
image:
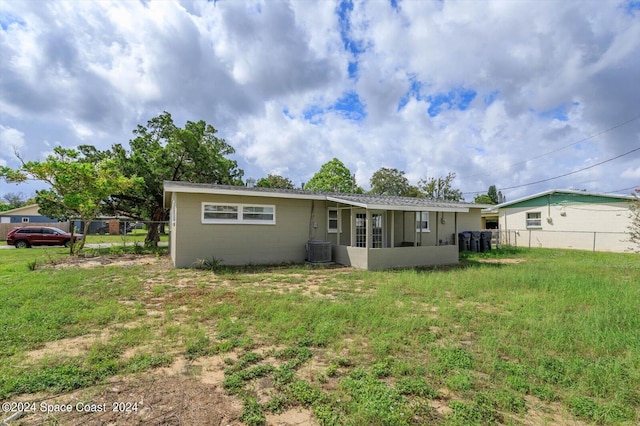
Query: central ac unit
x=318, y=251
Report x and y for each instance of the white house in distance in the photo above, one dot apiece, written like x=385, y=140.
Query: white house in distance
x=24, y=216
x=240, y=225
x=566, y=219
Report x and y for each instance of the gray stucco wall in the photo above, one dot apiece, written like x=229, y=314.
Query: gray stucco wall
x=237, y=244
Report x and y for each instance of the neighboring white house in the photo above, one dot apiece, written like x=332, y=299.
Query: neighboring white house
x=241, y=225
x=567, y=219
x=24, y=215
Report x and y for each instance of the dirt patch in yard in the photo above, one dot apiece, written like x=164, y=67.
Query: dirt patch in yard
x=153, y=399
x=501, y=261
x=125, y=260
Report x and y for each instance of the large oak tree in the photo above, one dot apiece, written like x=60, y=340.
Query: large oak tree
x=162, y=151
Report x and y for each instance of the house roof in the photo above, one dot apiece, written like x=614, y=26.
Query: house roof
x=19, y=211
x=368, y=201
x=579, y=196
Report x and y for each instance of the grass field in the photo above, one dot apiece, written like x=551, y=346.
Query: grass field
x=511, y=337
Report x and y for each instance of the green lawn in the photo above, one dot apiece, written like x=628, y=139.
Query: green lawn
x=516, y=334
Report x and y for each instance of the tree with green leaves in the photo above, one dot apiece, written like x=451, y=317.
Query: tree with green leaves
x=483, y=199
x=334, y=176
x=78, y=188
x=492, y=193
x=388, y=181
x=274, y=181
x=493, y=196
x=162, y=151
x=440, y=188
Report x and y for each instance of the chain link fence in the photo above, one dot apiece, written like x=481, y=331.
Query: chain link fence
x=581, y=240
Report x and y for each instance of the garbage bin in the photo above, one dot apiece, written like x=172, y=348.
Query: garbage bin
x=464, y=241
x=475, y=241
x=485, y=241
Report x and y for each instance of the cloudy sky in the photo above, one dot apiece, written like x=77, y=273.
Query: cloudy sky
x=506, y=92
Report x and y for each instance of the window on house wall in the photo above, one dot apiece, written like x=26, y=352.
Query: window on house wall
x=422, y=222
x=361, y=229
x=250, y=214
x=534, y=220
x=25, y=220
x=333, y=222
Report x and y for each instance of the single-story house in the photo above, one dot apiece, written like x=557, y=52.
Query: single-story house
x=24, y=215
x=241, y=225
x=566, y=219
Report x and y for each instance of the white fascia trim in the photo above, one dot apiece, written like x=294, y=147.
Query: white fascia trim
x=218, y=191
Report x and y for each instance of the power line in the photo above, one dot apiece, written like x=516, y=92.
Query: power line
x=625, y=189
x=560, y=149
x=571, y=173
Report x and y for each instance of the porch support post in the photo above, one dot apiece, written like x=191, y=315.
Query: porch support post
x=393, y=229
x=417, y=217
x=368, y=230
x=437, y=220
x=455, y=228
x=352, y=218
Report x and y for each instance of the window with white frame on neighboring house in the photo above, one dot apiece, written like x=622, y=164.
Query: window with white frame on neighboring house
x=422, y=222
x=250, y=214
x=25, y=220
x=534, y=220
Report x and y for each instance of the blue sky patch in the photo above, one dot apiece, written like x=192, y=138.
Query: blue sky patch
x=631, y=7
x=414, y=92
x=491, y=97
x=558, y=113
x=353, y=69
x=350, y=106
x=455, y=99
x=355, y=47
x=314, y=114
x=287, y=113
x=7, y=19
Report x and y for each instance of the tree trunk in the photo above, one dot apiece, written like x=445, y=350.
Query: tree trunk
x=153, y=236
x=85, y=231
x=73, y=240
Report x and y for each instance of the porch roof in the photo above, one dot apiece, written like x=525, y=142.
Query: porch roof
x=385, y=202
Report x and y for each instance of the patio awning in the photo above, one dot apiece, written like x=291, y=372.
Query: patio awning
x=381, y=202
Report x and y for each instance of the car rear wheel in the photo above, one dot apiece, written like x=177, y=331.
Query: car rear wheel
x=67, y=243
x=22, y=244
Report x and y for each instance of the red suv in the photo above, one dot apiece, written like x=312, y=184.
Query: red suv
x=28, y=236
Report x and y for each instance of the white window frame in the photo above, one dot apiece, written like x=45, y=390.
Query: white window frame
x=420, y=217
x=338, y=228
x=240, y=220
x=534, y=222
x=25, y=220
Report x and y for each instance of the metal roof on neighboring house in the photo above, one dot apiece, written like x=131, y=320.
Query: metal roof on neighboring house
x=368, y=201
x=594, y=196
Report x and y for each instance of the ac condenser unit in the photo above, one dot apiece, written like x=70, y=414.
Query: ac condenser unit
x=318, y=251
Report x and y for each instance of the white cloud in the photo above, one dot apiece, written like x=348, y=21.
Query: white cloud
x=10, y=140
